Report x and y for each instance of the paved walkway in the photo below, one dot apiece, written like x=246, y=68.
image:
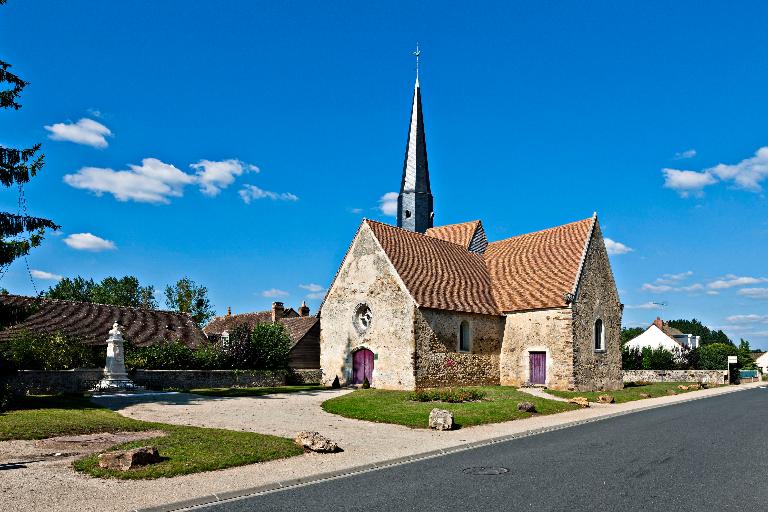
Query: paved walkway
x=52, y=485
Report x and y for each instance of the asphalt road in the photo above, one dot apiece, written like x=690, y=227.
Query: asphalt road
x=709, y=454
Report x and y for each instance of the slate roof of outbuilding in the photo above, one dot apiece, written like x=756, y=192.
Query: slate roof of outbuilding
x=90, y=323
x=296, y=326
x=460, y=234
x=525, y=272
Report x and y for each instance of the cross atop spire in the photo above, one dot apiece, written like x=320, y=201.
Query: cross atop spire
x=416, y=54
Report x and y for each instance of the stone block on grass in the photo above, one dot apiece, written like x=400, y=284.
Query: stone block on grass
x=126, y=460
x=440, y=419
x=580, y=401
x=526, y=407
x=315, y=442
x=606, y=399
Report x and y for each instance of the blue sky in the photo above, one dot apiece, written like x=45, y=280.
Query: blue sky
x=241, y=145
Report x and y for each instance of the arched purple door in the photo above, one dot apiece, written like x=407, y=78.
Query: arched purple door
x=362, y=366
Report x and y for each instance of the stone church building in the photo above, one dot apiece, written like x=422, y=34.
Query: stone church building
x=417, y=306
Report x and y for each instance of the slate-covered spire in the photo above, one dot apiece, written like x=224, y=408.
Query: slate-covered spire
x=414, y=204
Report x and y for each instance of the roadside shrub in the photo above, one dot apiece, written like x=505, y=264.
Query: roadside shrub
x=165, y=355
x=366, y=384
x=271, y=345
x=715, y=356
x=631, y=359
x=658, y=359
x=32, y=351
x=5, y=395
x=450, y=395
x=336, y=384
x=209, y=356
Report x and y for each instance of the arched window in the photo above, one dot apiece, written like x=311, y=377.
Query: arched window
x=465, y=340
x=599, y=335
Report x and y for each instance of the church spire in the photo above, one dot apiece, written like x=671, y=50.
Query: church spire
x=414, y=204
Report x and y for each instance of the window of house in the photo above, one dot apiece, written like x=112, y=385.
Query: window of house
x=465, y=339
x=599, y=335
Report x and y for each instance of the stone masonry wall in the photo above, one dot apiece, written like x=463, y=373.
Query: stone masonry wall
x=40, y=382
x=367, y=277
x=547, y=331
x=438, y=360
x=702, y=376
x=596, y=297
x=191, y=379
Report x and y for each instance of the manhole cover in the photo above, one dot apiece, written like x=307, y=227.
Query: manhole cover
x=485, y=470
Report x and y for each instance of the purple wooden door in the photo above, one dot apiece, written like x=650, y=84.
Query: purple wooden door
x=362, y=366
x=538, y=367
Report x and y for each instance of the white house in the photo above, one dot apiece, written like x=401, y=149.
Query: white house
x=654, y=337
x=762, y=362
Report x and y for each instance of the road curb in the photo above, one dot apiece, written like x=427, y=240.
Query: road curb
x=366, y=468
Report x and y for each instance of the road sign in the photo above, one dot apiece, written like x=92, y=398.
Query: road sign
x=733, y=359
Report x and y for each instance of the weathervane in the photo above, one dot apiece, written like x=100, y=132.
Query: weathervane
x=416, y=54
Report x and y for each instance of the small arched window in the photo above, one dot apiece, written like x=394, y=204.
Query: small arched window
x=465, y=340
x=599, y=335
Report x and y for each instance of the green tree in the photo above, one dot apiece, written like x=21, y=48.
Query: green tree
x=631, y=358
x=19, y=232
x=658, y=359
x=714, y=356
x=124, y=291
x=272, y=345
x=186, y=296
x=746, y=362
x=696, y=328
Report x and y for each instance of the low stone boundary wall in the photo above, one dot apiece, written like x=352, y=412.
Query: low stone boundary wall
x=190, y=379
x=305, y=376
x=39, y=382
x=701, y=376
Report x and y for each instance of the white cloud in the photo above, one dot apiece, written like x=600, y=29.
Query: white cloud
x=616, y=248
x=674, y=278
x=388, y=204
x=213, y=176
x=747, y=319
x=754, y=293
x=688, y=153
x=731, y=280
x=661, y=288
x=89, y=242
x=645, y=305
x=747, y=174
x=274, y=293
x=251, y=192
x=686, y=183
x=311, y=287
x=316, y=295
x=46, y=276
x=151, y=182
x=85, y=131
x=356, y=210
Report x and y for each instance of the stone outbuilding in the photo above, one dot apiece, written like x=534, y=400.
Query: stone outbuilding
x=419, y=306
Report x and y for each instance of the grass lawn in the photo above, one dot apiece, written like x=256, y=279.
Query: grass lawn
x=234, y=392
x=628, y=393
x=499, y=404
x=185, y=449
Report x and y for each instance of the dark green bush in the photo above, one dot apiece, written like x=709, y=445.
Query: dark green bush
x=336, y=384
x=631, y=359
x=450, y=395
x=33, y=351
x=715, y=355
x=165, y=355
x=658, y=359
x=366, y=384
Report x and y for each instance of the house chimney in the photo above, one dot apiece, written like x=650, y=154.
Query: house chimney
x=658, y=323
x=278, y=308
x=304, y=309
x=229, y=311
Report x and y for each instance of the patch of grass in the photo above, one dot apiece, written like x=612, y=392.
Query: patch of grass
x=629, y=393
x=450, y=395
x=185, y=449
x=235, y=392
x=40, y=417
x=384, y=406
x=193, y=449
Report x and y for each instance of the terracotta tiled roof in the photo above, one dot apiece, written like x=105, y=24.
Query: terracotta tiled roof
x=91, y=322
x=460, y=234
x=438, y=274
x=535, y=270
x=296, y=326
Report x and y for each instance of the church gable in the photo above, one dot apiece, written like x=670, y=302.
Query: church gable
x=469, y=235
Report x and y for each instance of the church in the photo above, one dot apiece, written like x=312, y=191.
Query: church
x=418, y=305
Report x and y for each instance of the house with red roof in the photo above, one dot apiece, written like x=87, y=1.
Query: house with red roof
x=417, y=305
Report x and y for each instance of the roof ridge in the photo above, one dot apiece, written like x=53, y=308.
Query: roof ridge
x=68, y=301
x=419, y=234
x=542, y=230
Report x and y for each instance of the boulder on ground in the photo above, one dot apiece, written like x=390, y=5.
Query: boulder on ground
x=315, y=442
x=683, y=387
x=671, y=392
x=125, y=460
x=580, y=400
x=606, y=399
x=694, y=386
x=645, y=395
x=526, y=407
x=440, y=419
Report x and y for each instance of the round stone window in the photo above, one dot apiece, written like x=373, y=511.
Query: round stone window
x=363, y=317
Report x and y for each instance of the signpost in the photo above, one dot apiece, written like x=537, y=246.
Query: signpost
x=731, y=360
